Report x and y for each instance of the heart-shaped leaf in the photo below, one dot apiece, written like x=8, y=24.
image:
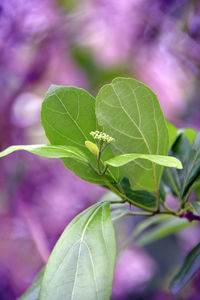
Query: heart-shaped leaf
x=130, y=112
x=68, y=117
x=49, y=151
x=190, y=266
x=82, y=262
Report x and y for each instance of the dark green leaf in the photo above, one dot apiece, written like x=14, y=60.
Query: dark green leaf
x=180, y=182
x=50, y=151
x=143, y=198
x=68, y=117
x=82, y=262
x=130, y=112
x=33, y=292
x=190, y=266
x=191, y=169
x=190, y=133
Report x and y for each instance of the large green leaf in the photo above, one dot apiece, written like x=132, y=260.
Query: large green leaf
x=82, y=262
x=190, y=267
x=130, y=112
x=33, y=292
x=68, y=117
x=169, y=227
x=163, y=160
x=50, y=151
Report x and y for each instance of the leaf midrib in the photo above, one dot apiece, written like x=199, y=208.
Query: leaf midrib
x=81, y=241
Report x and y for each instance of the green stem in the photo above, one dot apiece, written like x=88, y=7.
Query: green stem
x=113, y=189
x=132, y=214
x=93, y=168
x=156, y=187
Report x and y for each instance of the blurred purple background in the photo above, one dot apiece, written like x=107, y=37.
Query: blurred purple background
x=87, y=43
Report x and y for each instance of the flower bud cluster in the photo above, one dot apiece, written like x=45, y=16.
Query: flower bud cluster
x=101, y=136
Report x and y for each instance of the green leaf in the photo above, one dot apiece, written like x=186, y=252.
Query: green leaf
x=130, y=112
x=49, y=151
x=150, y=221
x=190, y=266
x=143, y=226
x=172, y=131
x=191, y=169
x=142, y=198
x=169, y=227
x=82, y=262
x=190, y=133
x=68, y=117
x=33, y=292
x=196, y=207
x=187, y=179
x=162, y=160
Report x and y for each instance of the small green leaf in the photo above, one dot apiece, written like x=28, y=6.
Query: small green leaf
x=196, y=207
x=173, y=131
x=143, y=198
x=169, y=227
x=82, y=262
x=130, y=112
x=49, y=151
x=190, y=266
x=162, y=160
x=33, y=292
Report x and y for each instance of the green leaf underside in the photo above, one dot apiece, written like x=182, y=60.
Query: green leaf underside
x=169, y=227
x=82, y=262
x=130, y=112
x=49, y=151
x=33, y=292
x=190, y=267
x=162, y=160
x=68, y=117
